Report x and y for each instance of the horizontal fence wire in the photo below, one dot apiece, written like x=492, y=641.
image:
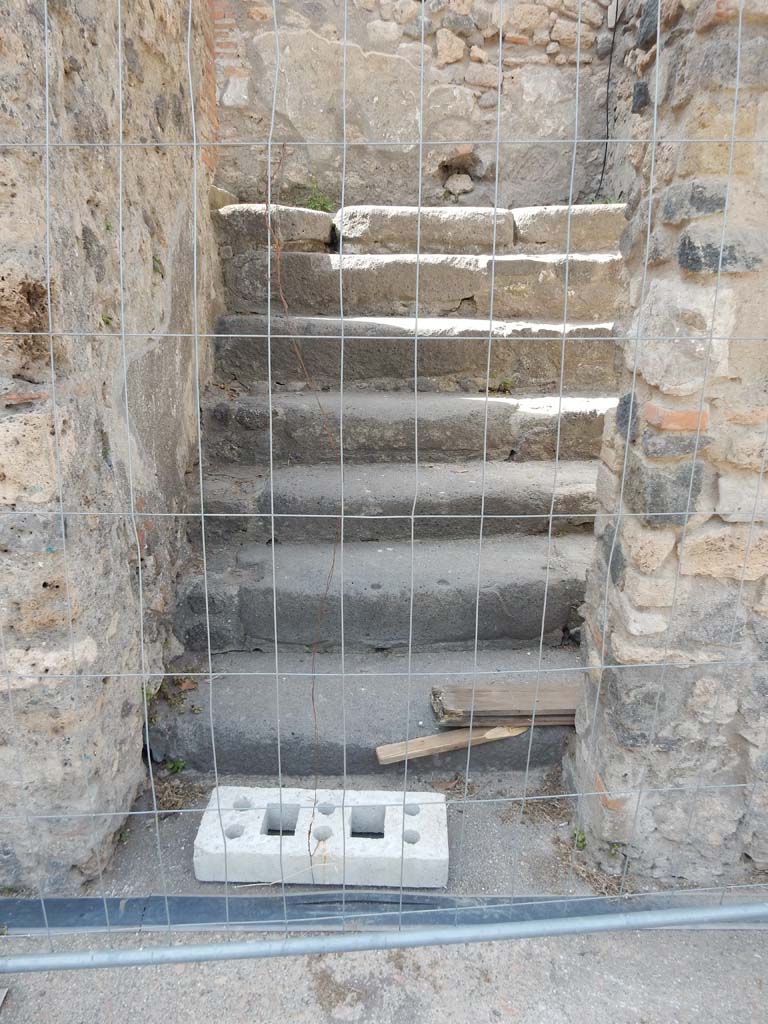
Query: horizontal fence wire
x=402, y=916
x=566, y=142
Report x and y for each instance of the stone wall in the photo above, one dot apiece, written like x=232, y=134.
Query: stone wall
x=71, y=700
x=677, y=609
x=461, y=72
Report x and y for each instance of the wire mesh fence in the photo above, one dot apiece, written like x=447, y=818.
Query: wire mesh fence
x=301, y=484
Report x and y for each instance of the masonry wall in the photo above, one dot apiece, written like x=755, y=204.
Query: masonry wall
x=677, y=608
x=384, y=53
x=71, y=701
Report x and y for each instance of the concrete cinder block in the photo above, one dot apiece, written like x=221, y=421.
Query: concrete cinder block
x=323, y=837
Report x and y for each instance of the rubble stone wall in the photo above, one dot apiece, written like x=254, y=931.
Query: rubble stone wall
x=677, y=601
x=71, y=699
x=461, y=55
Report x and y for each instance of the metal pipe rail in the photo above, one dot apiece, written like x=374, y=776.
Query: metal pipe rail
x=743, y=913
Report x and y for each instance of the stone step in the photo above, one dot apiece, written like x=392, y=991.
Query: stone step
x=242, y=227
x=380, y=427
x=469, y=229
x=307, y=501
x=452, y=353
x=377, y=584
x=377, y=699
x=591, y=228
x=525, y=287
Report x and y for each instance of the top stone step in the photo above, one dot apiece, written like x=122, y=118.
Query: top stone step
x=469, y=230
x=245, y=226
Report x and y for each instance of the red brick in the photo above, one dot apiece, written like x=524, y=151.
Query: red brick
x=675, y=419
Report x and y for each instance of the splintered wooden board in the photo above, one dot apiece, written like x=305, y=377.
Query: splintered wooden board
x=442, y=742
x=512, y=704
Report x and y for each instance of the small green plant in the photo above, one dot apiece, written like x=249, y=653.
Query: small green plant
x=171, y=690
x=614, y=849
x=175, y=765
x=106, y=320
x=122, y=836
x=157, y=266
x=315, y=199
x=579, y=839
x=107, y=225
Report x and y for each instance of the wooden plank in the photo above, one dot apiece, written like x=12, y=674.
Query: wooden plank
x=442, y=742
x=486, y=721
x=452, y=704
x=513, y=699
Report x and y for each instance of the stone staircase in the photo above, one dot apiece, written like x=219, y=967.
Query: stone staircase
x=382, y=278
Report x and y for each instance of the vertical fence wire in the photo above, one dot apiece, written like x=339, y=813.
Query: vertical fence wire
x=486, y=405
x=558, y=433
x=342, y=343
x=270, y=412
x=200, y=463
x=416, y=468
x=76, y=681
x=129, y=467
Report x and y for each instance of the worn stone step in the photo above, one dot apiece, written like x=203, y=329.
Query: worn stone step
x=377, y=585
x=378, y=501
x=377, y=697
x=469, y=229
x=452, y=353
x=242, y=227
x=380, y=427
x=443, y=229
x=590, y=228
x=525, y=287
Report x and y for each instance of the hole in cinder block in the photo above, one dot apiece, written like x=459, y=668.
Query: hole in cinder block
x=242, y=804
x=411, y=809
x=367, y=822
x=411, y=836
x=280, y=820
x=326, y=808
x=234, y=831
x=322, y=832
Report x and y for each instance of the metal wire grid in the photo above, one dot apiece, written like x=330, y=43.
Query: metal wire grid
x=404, y=936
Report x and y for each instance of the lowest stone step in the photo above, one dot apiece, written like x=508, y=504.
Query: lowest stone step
x=382, y=703
x=380, y=427
x=452, y=353
x=377, y=586
x=508, y=287
x=378, y=501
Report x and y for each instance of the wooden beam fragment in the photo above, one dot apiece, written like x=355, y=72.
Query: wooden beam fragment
x=489, y=705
